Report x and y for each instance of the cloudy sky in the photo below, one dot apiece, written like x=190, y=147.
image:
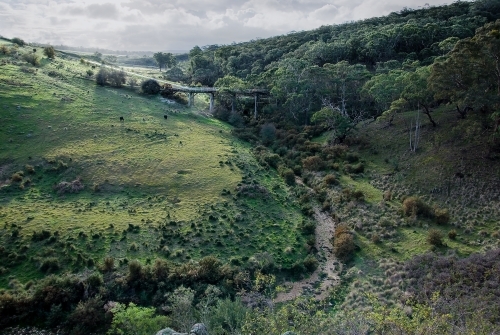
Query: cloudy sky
x=178, y=24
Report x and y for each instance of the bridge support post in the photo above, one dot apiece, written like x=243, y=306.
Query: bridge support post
x=190, y=99
x=256, y=97
x=211, y=102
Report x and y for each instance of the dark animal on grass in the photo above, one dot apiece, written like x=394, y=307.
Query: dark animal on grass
x=459, y=175
x=165, y=116
x=121, y=118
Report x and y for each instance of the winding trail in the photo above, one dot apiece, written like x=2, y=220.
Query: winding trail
x=326, y=275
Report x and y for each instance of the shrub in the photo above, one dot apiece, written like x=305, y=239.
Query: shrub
x=375, y=238
x=132, y=83
x=108, y=264
x=50, y=265
x=135, y=320
x=4, y=50
x=135, y=271
x=102, y=77
x=442, y=216
x=50, y=52
x=90, y=73
x=88, y=316
x=40, y=236
x=435, y=237
x=313, y=163
x=310, y=263
x=352, y=157
x=356, y=168
x=343, y=243
x=330, y=179
x=69, y=187
x=413, y=206
x=452, y=234
x=117, y=78
x=273, y=160
x=17, y=177
x=349, y=194
x=236, y=119
x=387, y=195
x=32, y=59
x=150, y=86
x=18, y=41
x=268, y=133
x=289, y=176
x=29, y=168
x=307, y=227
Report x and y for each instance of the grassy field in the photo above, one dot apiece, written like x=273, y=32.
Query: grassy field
x=152, y=187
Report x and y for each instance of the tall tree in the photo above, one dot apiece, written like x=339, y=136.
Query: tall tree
x=165, y=59
x=469, y=76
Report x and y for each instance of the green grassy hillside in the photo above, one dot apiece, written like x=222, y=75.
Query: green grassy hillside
x=152, y=187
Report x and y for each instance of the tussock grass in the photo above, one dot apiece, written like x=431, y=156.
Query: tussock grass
x=163, y=176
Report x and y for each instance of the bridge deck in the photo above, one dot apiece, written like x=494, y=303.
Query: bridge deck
x=188, y=89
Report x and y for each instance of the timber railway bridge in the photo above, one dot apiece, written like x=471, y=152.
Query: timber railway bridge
x=171, y=87
x=190, y=91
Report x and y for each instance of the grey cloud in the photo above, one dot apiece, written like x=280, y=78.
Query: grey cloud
x=178, y=24
x=97, y=11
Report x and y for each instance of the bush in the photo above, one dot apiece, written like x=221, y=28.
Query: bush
x=117, y=78
x=69, y=187
x=442, y=216
x=313, y=163
x=268, y=133
x=4, y=50
x=289, y=176
x=50, y=265
x=50, y=52
x=108, y=264
x=352, y=157
x=132, y=83
x=150, y=86
x=349, y=194
x=413, y=206
x=29, y=168
x=311, y=263
x=135, y=320
x=102, y=77
x=343, y=243
x=330, y=179
x=435, y=237
x=90, y=73
x=32, y=59
x=387, y=195
x=236, y=119
x=17, y=177
x=88, y=316
x=452, y=234
x=356, y=168
x=135, y=271
x=18, y=41
x=273, y=160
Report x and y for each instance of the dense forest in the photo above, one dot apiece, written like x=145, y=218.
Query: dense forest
x=416, y=227
x=367, y=67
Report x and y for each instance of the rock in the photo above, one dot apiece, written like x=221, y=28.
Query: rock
x=289, y=333
x=199, y=329
x=169, y=331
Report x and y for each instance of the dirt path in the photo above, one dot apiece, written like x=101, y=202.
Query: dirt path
x=327, y=274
